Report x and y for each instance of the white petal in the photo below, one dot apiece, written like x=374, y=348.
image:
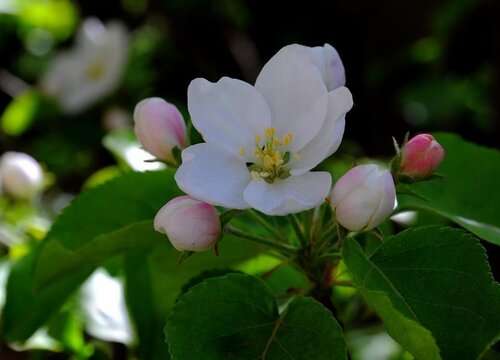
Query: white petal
x=294, y=90
x=328, y=62
x=294, y=194
x=329, y=137
x=210, y=174
x=229, y=112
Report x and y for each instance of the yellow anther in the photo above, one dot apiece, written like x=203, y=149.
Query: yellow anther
x=287, y=138
x=268, y=162
x=242, y=151
x=270, y=158
x=270, y=132
x=297, y=156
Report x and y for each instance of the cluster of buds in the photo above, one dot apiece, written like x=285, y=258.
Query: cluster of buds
x=21, y=175
x=361, y=199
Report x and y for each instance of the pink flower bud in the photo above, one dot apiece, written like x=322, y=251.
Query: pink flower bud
x=363, y=197
x=420, y=157
x=190, y=225
x=160, y=128
x=21, y=175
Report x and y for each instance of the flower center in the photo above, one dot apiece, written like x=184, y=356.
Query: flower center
x=271, y=156
x=95, y=70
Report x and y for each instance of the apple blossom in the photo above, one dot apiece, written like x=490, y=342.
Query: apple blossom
x=363, y=197
x=190, y=225
x=21, y=175
x=420, y=157
x=262, y=141
x=160, y=128
x=79, y=77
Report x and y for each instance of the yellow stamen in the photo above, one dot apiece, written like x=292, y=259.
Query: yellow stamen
x=270, y=156
x=297, y=156
x=270, y=132
x=287, y=138
x=242, y=151
x=268, y=162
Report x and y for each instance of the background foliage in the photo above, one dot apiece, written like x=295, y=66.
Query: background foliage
x=411, y=66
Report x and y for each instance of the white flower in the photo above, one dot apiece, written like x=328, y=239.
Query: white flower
x=79, y=77
x=20, y=174
x=262, y=141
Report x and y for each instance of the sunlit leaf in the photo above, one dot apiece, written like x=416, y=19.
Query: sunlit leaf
x=468, y=193
x=20, y=113
x=101, y=216
x=433, y=289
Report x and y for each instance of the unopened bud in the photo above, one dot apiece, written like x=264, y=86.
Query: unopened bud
x=327, y=60
x=190, y=225
x=160, y=128
x=21, y=175
x=420, y=157
x=363, y=197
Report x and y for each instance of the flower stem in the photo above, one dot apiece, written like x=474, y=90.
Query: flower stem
x=265, y=224
x=268, y=242
x=298, y=231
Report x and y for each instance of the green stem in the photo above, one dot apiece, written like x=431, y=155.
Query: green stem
x=298, y=231
x=330, y=232
x=265, y=224
x=227, y=216
x=271, y=243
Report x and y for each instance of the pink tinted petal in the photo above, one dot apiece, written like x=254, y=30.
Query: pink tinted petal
x=294, y=90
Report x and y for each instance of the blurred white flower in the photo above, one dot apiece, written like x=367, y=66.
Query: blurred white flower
x=262, y=141
x=20, y=174
x=80, y=76
x=104, y=309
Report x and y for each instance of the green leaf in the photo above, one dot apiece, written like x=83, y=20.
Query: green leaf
x=25, y=311
x=154, y=281
x=468, y=194
x=143, y=307
x=20, y=113
x=90, y=228
x=95, y=252
x=236, y=316
x=431, y=286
